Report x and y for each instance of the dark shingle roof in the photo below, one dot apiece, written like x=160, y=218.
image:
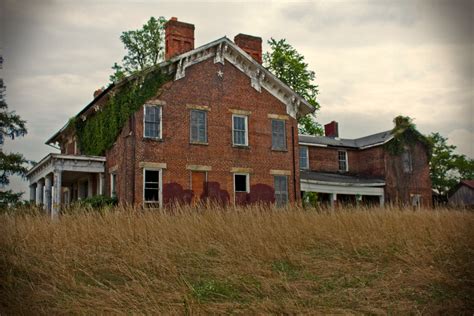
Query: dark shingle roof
x=340, y=178
x=359, y=143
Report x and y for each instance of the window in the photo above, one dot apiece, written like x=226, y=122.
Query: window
x=415, y=200
x=113, y=185
x=342, y=156
x=281, y=190
x=241, y=182
x=239, y=130
x=304, y=159
x=198, y=126
x=407, y=161
x=152, y=121
x=278, y=135
x=151, y=187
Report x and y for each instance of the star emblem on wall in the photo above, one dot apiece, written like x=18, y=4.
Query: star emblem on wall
x=220, y=73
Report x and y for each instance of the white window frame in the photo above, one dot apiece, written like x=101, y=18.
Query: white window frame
x=285, y=145
x=246, y=118
x=160, y=186
x=307, y=157
x=247, y=181
x=113, y=185
x=205, y=127
x=161, y=120
x=346, y=159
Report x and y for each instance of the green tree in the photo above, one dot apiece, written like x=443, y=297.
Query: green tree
x=447, y=167
x=290, y=67
x=11, y=126
x=145, y=48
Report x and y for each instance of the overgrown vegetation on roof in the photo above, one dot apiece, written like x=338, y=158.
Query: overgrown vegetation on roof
x=98, y=133
x=405, y=135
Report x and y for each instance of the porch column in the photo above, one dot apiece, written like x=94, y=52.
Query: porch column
x=101, y=183
x=57, y=193
x=89, y=186
x=32, y=192
x=39, y=192
x=382, y=200
x=47, y=193
x=333, y=197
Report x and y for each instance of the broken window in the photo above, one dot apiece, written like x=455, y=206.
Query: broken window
x=241, y=182
x=407, y=161
x=239, y=130
x=342, y=157
x=278, y=135
x=198, y=126
x=152, y=121
x=281, y=190
x=304, y=160
x=151, y=186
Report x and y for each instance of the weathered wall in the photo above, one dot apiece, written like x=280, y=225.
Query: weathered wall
x=203, y=86
x=463, y=196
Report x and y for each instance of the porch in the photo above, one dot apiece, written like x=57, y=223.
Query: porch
x=343, y=188
x=61, y=179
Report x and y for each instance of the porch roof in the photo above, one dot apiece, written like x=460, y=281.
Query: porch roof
x=340, y=179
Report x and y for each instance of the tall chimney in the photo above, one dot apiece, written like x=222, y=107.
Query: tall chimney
x=252, y=45
x=179, y=37
x=331, y=129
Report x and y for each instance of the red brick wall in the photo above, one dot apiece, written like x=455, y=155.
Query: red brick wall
x=368, y=162
x=202, y=86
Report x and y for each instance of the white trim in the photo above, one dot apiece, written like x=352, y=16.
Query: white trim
x=346, y=160
x=113, y=184
x=341, y=188
x=160, y=185
x=247, y=180
x=246, y=118
x=161, y=120
x=307, y=157
x=311, y=144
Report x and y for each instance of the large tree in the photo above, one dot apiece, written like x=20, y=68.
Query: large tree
x=11, y=126
x=290, y=67
x=447, y=167
x=145, y=48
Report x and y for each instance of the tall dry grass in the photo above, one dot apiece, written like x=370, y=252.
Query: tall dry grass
x=239, y=260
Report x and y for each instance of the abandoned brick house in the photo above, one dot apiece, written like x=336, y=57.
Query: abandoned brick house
x=221, y=127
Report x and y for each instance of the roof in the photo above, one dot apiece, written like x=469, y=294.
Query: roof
x=469, y=183
x=64, y=157
x=228, y=50
x=340, y=179
x=357, y=143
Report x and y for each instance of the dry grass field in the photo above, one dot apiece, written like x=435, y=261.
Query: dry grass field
x=238, y=260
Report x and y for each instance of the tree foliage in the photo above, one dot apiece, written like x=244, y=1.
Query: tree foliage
x=289, y=66
x=11, y=126
x=447, y=167
x=405, y=134
x=145, y=48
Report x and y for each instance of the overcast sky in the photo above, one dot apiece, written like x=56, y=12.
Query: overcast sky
x=373, y=60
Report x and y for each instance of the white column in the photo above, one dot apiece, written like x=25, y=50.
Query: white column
x=89, y=186
x=33, y=192
x=47, y=193
x=101, y=183
x=39, y=192
x=333, y=197
x=382, y=200
x=57, y=194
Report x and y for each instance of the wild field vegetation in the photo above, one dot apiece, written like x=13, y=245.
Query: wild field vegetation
x=238, y=260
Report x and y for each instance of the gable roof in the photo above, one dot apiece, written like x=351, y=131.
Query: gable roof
x=357, y=143
x=469, y=183
x=222, y=50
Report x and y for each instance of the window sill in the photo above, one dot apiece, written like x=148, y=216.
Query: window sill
x=199, y=143
x=241, y=146
x=280, y=150
x=155, y=139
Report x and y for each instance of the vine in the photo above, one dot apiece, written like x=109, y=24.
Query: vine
x=98, y=133
x=405, y=134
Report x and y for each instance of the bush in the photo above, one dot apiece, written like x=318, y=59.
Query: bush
x=97, y=202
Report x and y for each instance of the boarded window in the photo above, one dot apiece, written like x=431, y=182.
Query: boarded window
x=407, y=161
x=281, y=190
x=239, y=130
x=241, y=182
x=342, y=157
x=304, y=160
x=152, y=124
x=152, y=186
x=198, y=126
x=278, y=135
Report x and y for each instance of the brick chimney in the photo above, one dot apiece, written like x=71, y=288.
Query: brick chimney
x=252, y=45
x=331, y=129
x=179, y=37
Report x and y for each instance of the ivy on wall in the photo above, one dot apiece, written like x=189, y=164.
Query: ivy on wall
x=98, y=133
x=405, y=134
